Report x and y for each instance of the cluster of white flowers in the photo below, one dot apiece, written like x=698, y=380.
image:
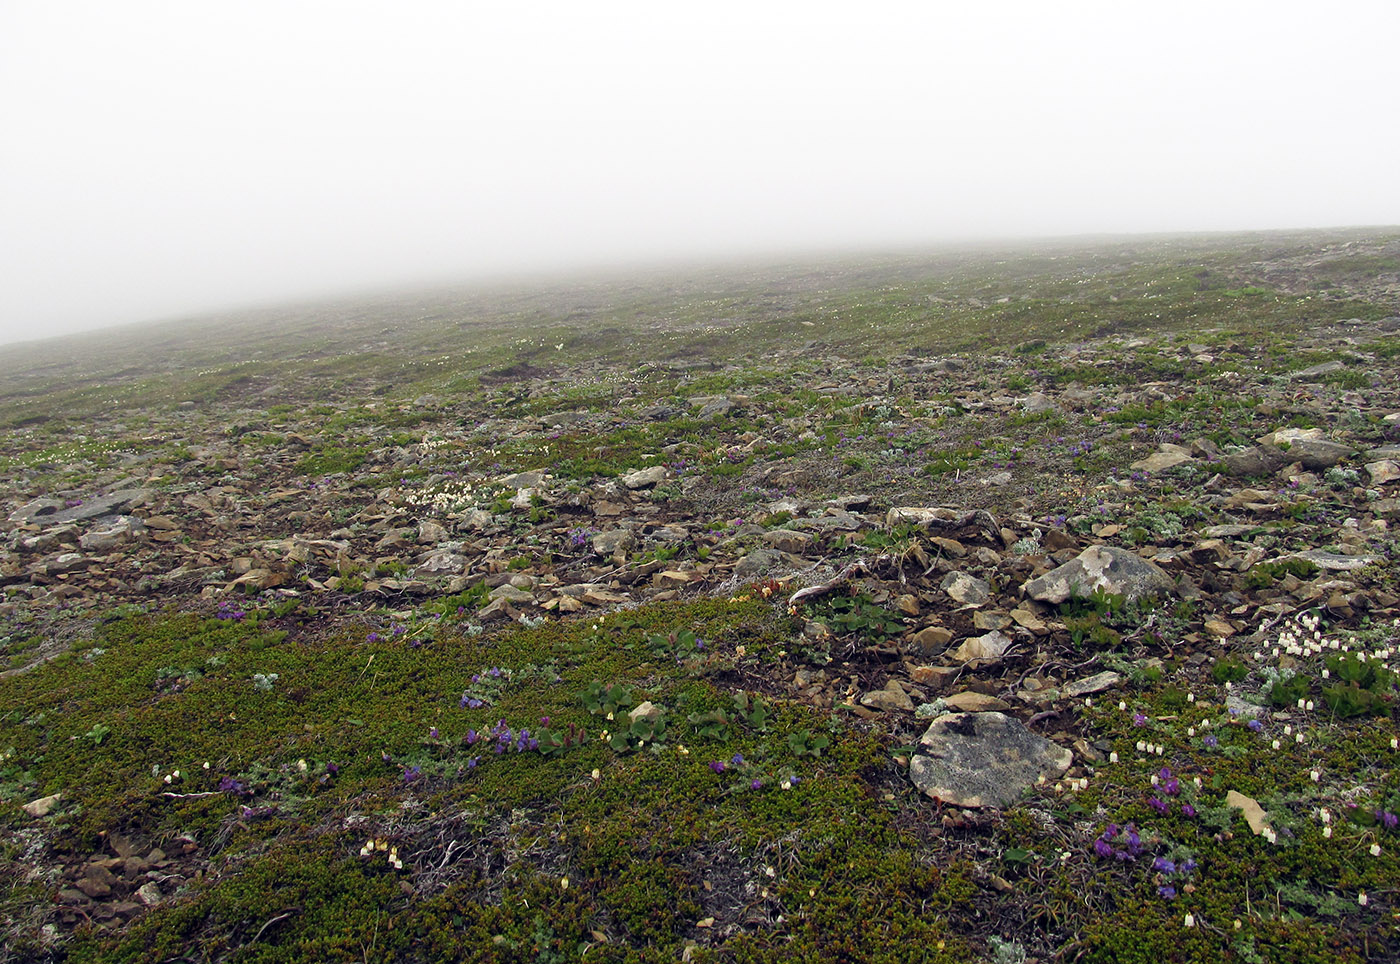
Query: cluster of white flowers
x=379, y=845
x=1309, y=642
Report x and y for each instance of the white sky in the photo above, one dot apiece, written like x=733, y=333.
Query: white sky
x=160, y=158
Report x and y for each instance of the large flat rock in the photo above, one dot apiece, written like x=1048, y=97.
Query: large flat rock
x=1115, y=571
x=983, y=760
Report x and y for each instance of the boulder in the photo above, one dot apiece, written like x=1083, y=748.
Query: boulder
x=983, y=760
x=1115, y=571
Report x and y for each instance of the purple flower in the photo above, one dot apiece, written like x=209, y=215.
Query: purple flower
x=717, y=766
x=1387, y=818
x=433, y=733
x=1164, y=865
x=1167, y=891
x=1102, y=848
x=1211, y=741
x=737, y=759
x=471, y=764
x=1158, y=804
x=1256, y=726
x=1187, y=810
x=410, y=774
x=1134, y=841
x=756, y=783
x=1139, y=719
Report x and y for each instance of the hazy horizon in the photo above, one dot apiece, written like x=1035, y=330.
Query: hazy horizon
x=167, y=160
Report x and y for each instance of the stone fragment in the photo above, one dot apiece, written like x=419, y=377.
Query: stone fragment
x=971, y=702
x=608, y=542
x=965, y=589
x=1115, y=571
x=43, y=806
x=1333, y=562
x=1383, y=471
x=100, y=505
x=109, y=533
x=892, y=697
x=1037, y=402
x=1255, y=461
x=986, y=621
x=1254, y=814
x=758, y=562
x=1219, y=628
x=37, y=509
x=1315, y=372
x=983, y=760
x=788, y=540
x=443, y=562
x=1309, y=446
x=934, y=677
x=991, y=646
x=1167, y=456
x=149, y=894
x=1030, y=621
x=645, y=478
x=1093, y=684
x=931, y=640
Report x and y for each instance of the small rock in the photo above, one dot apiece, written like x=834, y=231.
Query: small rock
x=934, y=677
x=609, y=542
x=991, y=646
x=986, y=621
x=787, y=540
x=970, y=702
x=111, y=533
x=43, y=806
x=1168, y=456
x=1093, y=684
x=892, y=697
x=931, y=640
x=149, y=894
x=645, y=478
x=965, y=589
x=1386, y=470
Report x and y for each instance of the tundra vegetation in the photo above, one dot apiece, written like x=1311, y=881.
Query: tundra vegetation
x=636, y=619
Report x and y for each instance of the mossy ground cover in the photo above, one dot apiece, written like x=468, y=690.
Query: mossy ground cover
x=279, y=760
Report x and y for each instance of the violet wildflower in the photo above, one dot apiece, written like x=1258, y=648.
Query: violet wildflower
x=717, y=766
x=1256, y=726
x=1167, y=891
x=737, y=759
x=1211, y=741
x=1187, y=810
x=1158, y=804
x=1102, y=848
x=410, y=774
x=1139, y=719
x=1388, y=819
x=1164, y=865
x=756, y=784
x=433, y=733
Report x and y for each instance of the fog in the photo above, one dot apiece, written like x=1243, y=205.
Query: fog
x=163, y=159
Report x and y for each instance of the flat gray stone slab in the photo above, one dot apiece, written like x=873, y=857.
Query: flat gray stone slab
x=1115, y=571
x=983, y=760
